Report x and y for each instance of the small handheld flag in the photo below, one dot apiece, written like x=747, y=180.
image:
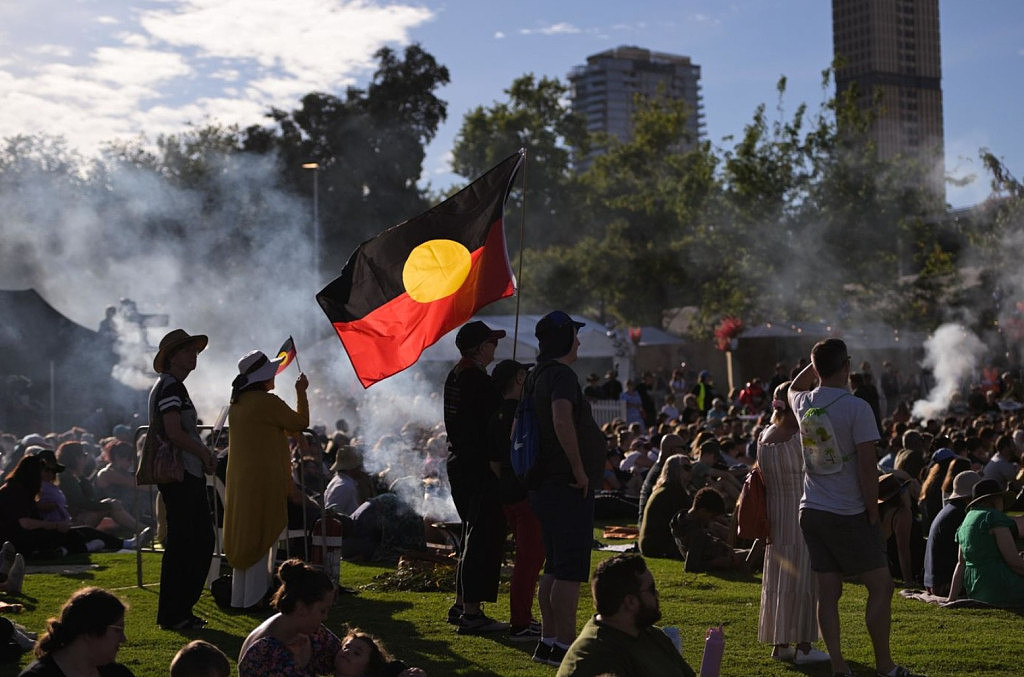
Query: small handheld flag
x=287, y=352
x=406, y=288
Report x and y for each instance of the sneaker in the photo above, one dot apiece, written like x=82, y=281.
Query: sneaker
x=556, y=656
x=454, y=612
x=812, y=656
x=144, y=538
x=526, y=633
x=479, y=624
x=899, y=671
x=6, y=559
x=23, y=638
x=16, y=577
x=542, y=652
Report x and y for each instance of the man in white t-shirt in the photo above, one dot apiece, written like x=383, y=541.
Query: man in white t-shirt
x=839, y=507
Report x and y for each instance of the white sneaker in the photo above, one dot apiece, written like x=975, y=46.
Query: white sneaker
x=17, y=575
x=812, y=656
x=784, y=653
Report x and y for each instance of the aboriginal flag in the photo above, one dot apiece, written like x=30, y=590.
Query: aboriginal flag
x=406, y=288
x=287, y=352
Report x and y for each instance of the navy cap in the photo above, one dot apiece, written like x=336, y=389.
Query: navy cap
x=555, y=320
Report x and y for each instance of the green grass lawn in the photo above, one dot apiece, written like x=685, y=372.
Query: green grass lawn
x=927, y=638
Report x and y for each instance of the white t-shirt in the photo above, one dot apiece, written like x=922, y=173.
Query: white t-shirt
x=853, y=423
x=342, y=494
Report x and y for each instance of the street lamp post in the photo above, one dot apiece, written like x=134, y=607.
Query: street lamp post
x=315, y=168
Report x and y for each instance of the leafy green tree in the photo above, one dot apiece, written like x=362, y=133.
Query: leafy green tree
x=647, y=202
x=533, y=117
x=369, y=147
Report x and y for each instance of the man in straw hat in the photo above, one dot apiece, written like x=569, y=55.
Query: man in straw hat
x=342, y=492
x=188, y=546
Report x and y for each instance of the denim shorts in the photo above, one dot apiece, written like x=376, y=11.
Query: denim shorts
x=843, y=543
x=567, y=527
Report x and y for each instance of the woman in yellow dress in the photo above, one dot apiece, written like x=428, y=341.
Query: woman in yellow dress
x=259, y=479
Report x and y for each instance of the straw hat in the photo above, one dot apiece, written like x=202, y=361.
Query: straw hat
x=963, y=484
x=176, y=339
x=347, y=458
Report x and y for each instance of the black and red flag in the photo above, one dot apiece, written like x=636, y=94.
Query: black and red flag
x=406, y=288
x=286, y=354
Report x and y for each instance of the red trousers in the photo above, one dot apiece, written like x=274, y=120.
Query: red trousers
x=528, y=563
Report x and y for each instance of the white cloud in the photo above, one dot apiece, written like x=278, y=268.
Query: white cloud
x=51, y=50
x=561, y=28
x=156, y=67
x=499, y=35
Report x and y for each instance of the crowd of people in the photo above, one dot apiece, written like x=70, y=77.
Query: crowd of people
x=921, y=502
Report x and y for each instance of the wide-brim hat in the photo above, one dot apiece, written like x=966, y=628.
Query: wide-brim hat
x=175, y=339
x=346, y=458
x=964, y=483
x=889, y=486
x=47, y=456
x=986, y=489
x=256, y=367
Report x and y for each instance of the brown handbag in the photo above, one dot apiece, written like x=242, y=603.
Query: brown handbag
x=160, y=462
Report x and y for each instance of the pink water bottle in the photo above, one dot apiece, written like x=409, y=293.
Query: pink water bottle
x=714, y=645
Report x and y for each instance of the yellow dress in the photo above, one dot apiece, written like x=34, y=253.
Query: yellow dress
x=259, y=474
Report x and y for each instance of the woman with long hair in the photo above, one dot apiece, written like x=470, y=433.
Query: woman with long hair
x=259, y=477
x=669, y=496
x=22, y=524
x=364, y=655
x=188, y=546
x=83, y=639
x=788, y=593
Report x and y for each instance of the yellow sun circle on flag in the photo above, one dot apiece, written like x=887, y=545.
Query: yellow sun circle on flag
x=435, y=269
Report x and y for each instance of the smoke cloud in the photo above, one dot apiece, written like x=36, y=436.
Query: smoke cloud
x=951, y=353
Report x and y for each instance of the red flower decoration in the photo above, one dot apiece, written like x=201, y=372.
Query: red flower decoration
x=728, y=329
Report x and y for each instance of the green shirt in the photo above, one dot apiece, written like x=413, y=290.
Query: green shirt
x=601, y=649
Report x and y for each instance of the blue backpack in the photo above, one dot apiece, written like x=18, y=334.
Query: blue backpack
x=526, y=430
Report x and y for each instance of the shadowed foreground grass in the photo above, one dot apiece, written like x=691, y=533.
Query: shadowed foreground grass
x=929, y=639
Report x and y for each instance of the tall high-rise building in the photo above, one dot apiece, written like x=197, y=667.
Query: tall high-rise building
x=892, y=47
x=603, y=91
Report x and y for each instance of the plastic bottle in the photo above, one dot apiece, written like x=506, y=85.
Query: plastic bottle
x=714, y=645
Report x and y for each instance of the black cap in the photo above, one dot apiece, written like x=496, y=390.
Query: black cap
x=474, y=333
x=505, y=371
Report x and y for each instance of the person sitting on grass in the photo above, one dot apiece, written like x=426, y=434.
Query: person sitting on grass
x=671, y=495
x=621, y=638
x=295, y=641
x=692, y=530
x=363, y=655
x=200, y=659
x=80, y=495
x=940, y=553
x=84, y=639
x=989, y=568
x=21, y=524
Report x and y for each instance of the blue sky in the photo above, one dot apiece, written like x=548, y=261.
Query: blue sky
x=94, y=70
